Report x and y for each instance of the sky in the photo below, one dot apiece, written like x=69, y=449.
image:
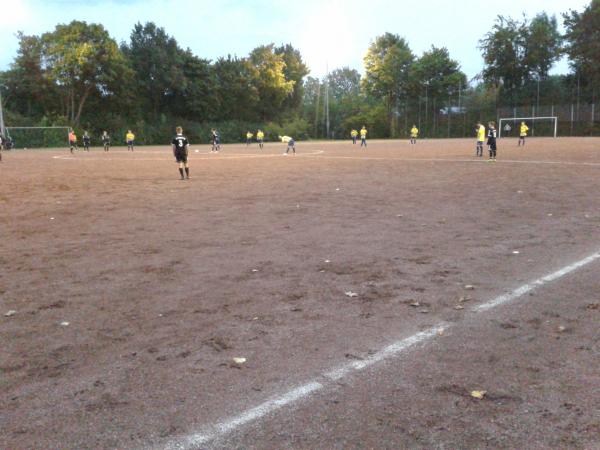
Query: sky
x=329, y=33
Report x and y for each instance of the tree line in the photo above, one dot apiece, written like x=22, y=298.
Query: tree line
x=78, y=75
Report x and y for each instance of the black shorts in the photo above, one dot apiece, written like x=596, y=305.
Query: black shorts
x=181, y=156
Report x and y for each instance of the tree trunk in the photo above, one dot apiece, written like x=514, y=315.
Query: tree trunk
x=86, y=93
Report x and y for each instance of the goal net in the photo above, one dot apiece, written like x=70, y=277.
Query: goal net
x=38, y=137
x=538, y=126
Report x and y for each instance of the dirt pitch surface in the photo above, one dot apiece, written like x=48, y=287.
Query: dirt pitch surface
x=132, y=292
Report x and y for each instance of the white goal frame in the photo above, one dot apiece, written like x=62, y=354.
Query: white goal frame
x=67, y=129
x=527, y=119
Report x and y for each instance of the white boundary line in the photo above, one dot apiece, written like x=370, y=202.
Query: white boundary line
x=296, y=394
x=203, y=156
x=458, y=160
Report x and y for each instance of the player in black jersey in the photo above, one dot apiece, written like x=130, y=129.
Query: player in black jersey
x=491, y=142
x=180, y=146
x=216, y=141
x=86, y=141
x=105, y=140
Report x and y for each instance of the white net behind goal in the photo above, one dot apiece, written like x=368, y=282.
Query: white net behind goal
x=38, y=137
x=538, y=126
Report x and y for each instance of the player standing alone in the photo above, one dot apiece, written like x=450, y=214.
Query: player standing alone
x=181, y=146
x=480, y=131
x=72, y=140
x=523, y=133
x=216, y=141
x=260, y=137
x=414, y=134
x=129, y=137
x=86, y=141
x=249, y=137
x=491, y=142
x=363, y=136
x=354, y=135
x=105, y=141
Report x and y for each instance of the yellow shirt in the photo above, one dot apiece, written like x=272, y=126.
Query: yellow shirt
x=481, y=134
x=260, y=135
x=354, y=133
x=363, y=133
x=414, y=132
x=130, y=136
x=249, y=135
x=524, y=130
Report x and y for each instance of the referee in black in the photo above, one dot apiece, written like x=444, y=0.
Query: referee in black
x=181, y=146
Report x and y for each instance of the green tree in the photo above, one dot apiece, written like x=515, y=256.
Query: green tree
x=582, y=38
x=157, y=61
x=268, y=77
x=542, y=47
x=295, y=70
x=81, y=58
x=235, y=94
x=387, y=65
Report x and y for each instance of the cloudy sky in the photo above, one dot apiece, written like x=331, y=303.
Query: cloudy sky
x=328, y=32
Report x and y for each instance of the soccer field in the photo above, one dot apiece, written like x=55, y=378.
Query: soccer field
x=370, y=292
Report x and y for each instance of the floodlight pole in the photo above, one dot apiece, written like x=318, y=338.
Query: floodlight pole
x=2, y=127
x=327, y=98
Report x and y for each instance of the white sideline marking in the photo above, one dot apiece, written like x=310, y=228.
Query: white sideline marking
x=539, y=282
x=459, y=160
x=301, y=392
x=203, y=156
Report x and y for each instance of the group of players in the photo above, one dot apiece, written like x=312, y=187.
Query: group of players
x=105, y=138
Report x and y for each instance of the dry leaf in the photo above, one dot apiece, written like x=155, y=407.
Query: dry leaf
x=239, y=360
x=478, y=394
x=469, y=287
x=459, y=307
x=12, y=312
x=351, y=294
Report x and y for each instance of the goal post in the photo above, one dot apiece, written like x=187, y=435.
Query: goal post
x=516, y=122
x=38, y=137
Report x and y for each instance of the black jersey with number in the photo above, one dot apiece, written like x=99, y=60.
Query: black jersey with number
x=180, y=142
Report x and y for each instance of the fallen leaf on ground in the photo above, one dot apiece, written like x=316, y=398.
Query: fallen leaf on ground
x=464, y=299
x=64, y=324
x=415, y=303
x=239, y=360
x=593, y=306
x=12, y=312
x=562, y=329
x=478, y=394
x=469, y=287
x=459, y=307
x=424, y=311
x=351, y=294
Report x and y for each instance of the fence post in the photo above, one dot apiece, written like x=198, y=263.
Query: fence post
x=572, y=112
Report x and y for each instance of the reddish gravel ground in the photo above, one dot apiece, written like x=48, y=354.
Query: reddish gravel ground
x=163, y=282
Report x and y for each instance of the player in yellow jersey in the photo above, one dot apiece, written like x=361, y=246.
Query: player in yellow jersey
x=480, y=132
x=129, y=138
x=249, y=137
x=414, y=134
x=354, y=135
x=363, y=136
x=260, y=137
x=523, y=133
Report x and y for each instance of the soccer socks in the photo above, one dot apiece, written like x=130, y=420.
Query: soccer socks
x=181, y=172
x=187, y=172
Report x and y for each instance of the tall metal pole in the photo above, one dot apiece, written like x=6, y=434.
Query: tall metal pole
x=2, y=128
x=327, y=98
x=426, y=106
